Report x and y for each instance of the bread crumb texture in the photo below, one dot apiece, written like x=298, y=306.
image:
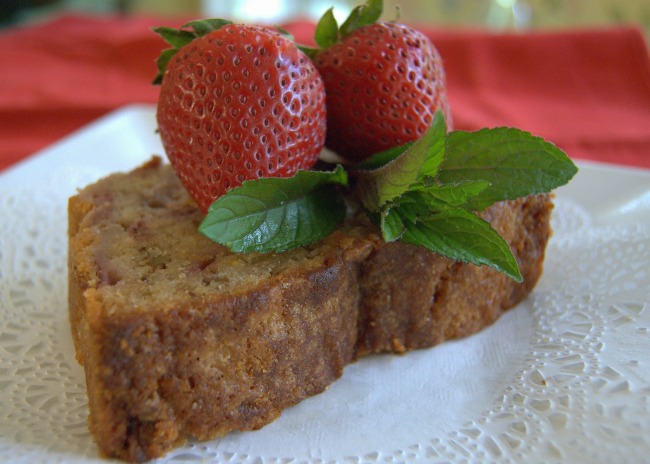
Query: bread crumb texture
x=179, y=337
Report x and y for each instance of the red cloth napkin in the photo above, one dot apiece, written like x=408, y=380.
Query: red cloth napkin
x=587, y=91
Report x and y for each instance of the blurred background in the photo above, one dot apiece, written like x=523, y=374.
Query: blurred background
x=494, y=14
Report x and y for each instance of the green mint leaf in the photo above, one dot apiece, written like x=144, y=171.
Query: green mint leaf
x=391, y=225
x=362, y=15
x=454, y=195
x=383, y=157
x=327, y=30
x=462, y=236
x=378, y=187
x=435, y=156
x=514, y=162
x=277, y=214
x=420, y=160
x=431, y=164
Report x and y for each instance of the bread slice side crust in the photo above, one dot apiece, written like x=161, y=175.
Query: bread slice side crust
x=196, y=357
x=411, y=298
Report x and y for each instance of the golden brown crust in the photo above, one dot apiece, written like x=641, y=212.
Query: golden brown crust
x=180, y=338
x=411, y=298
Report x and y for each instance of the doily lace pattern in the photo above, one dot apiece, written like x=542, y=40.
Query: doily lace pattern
x=578, y=391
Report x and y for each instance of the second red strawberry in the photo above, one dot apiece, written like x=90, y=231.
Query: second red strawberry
x=384, y=82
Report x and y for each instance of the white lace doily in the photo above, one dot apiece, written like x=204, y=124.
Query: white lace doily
x=564, y=377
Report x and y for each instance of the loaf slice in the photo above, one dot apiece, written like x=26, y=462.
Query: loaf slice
x=181, y=338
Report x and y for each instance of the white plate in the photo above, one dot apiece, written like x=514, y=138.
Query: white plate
x=563, y=377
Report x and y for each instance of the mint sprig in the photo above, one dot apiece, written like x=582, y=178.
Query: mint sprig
x=277, y=214
x=460, y=173
x=462, y=236
x=514, y=162
x=434, y=218
x=425, y=193
x=415, y=163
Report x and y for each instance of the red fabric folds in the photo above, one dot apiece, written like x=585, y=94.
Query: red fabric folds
x=587, y=91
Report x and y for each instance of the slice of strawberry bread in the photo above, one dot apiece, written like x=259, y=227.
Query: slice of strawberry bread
x=180, y=337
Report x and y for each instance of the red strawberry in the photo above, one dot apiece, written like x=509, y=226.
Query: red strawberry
x=384, y=82
x=236, y=103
